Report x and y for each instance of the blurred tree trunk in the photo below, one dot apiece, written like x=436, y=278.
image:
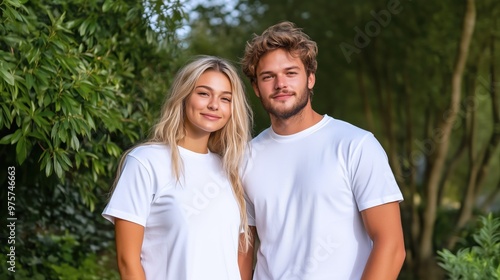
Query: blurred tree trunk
x=426, y=250
x=481, y=166
x=495, y=137
x=410, y=209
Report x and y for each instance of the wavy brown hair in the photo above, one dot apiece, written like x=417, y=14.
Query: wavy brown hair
x=284, y=35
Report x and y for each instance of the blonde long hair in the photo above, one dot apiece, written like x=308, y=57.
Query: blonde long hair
x=229, y=142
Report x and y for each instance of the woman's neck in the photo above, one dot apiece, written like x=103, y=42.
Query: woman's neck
x=197, y=145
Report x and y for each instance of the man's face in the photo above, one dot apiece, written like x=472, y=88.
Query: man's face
x=282, y=84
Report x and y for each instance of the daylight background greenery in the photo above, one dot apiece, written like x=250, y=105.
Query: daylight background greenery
x=83, y=80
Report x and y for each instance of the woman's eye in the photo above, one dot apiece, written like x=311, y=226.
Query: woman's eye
x=226, y=99
x=202, y=93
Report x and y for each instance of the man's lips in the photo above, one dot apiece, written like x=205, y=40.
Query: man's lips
x=282, y=95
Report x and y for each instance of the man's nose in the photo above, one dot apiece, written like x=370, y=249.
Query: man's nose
x=279, y=82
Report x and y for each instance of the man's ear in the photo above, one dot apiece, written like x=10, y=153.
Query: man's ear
x=311, y=80
x=256, y=89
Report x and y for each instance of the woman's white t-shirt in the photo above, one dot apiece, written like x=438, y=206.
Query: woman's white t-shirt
x=191, y=225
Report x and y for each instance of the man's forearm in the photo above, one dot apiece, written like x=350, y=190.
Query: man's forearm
x=385, y=262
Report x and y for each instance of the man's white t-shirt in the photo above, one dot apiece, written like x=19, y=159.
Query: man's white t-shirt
x=191, y=226
x=304, y=194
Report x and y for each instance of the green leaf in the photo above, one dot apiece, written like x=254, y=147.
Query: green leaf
x=6, y=139
x=13, y=13
x=7, y=76
x=62, y=134
x=83, y=27
x=38, y=135
x=60, y=20
x=113, y=149
x=45, y=162
x=40, y=120
x=71, y=24
x=75, y=143
x=15, y=136
x=53, y=132
x=29, y=80
x=107, y=5
x=22, y=148
x=57, y=166
x=47, y=100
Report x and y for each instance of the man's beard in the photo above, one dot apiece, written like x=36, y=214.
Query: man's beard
x=285, y=114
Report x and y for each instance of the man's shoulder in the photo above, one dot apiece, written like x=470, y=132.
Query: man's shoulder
x=343, y=130
x=345, y=125
x=261, y=137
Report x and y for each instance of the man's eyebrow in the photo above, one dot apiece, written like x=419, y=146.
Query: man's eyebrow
x=271, y=72
x=292, y=67
x=265, y=73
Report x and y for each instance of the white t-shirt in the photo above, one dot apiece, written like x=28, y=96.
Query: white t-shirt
x=304, y=194
x=191, y=225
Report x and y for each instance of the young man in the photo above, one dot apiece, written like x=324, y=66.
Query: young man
x=320, y=193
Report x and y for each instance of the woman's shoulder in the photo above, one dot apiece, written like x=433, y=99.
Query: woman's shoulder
x=150, y=152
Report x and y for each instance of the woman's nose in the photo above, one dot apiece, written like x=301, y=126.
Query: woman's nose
x=213, y=104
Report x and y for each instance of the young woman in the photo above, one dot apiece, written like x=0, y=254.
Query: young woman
x=177, y=201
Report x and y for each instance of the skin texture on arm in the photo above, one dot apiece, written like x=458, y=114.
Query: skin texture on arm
x=129, y=237
x=383, y=224
x=245, y=259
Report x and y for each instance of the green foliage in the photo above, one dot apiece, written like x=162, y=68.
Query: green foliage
x=58, y=226
x=80, y=81
x=62, y=257
x=91, y=268
x=479, y=261
x=76, y=84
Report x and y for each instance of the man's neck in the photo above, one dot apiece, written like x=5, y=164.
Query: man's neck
x=297, y=123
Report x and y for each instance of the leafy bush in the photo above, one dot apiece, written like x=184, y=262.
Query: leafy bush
x=63, y=257
x=479, y=261
x=80, y=80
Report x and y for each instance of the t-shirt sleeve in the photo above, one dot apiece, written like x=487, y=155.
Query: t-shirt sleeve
x=372, y=179
x=245, y=164
x=131, y=199
x=250, y=211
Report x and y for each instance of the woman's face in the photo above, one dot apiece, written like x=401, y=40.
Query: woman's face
x=208, y=107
